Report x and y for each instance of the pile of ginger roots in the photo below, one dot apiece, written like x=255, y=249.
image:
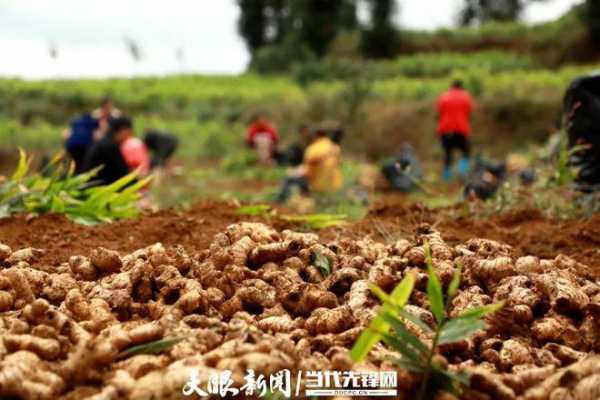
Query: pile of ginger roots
x=253, y=301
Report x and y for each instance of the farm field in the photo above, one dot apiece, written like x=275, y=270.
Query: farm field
x=224, y=302
x=199, y=281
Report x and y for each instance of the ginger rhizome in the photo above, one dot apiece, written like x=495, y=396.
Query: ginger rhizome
x=254, y=300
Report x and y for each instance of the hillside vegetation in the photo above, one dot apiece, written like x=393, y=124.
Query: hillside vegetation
x=389, y=102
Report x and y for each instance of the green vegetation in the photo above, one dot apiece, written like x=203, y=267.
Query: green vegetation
x=380, y=103
x=57, y=190
x=414, y=354
x=155, y=347
x=517, y=99
x=316, y=221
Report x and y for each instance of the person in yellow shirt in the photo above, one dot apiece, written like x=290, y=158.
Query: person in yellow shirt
x=320, y=170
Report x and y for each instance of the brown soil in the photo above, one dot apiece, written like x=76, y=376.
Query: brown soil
x=237, y=308
x=526, y=230
x=61, y=238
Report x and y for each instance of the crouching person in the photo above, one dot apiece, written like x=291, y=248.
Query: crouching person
x=263, y=138
x=162, y=146
x=320, y=170
x=582, y=119
x=403, y=172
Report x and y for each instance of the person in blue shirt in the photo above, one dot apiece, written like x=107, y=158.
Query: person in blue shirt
x=80, y=138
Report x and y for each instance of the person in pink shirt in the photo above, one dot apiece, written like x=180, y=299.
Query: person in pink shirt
x=134, y=151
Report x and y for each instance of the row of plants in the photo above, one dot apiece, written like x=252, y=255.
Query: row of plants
x=55, y=188
x=204, y=98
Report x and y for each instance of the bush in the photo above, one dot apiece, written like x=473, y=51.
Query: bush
x=57, y=190
x=281, y=57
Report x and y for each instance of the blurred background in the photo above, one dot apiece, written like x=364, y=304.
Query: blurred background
x=66, y=38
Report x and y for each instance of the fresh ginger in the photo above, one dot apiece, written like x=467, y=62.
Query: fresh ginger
x=253, y=300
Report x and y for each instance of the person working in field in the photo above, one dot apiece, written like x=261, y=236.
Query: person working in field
x=104, y=114
x=403, y=172
x=293, y=155
x=86, y=129
x=119, y=152
x=320, y=170
x=454, y=128
x=262, y=137
x=79, y=138
x=162, y=146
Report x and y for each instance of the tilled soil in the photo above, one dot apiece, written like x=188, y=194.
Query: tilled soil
x=255, y=299
x=526, y=230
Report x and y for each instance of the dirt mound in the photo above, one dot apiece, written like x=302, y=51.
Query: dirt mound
x=193, y=229
x=392, y=217
x=254, y=299
x=526, y=230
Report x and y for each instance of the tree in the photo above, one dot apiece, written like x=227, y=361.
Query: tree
x=252, y=24
x=381, y=38
x=480, y=11
x=314, y=23
x=591, y=14
x=320, y=20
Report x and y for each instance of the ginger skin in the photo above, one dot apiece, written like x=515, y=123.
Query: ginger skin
x=252, y=300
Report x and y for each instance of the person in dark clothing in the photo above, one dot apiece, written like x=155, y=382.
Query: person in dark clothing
x=294, y=154
x=162, y=145
x=404, y=171
x=107, y=153
x=582, y=117
x=485, y=179
x=451, y=141
x=80, y=138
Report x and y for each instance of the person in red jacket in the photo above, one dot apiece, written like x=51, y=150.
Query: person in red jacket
x=263, y=137
x=454, y=128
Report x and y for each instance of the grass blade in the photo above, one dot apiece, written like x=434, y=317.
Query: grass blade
x=405, y=335
x=415, y=320
x=455, y=283
x=371, y=336
x=158, y=346
x=480, y=312
x=434, y=290
x=458, y=329
x=406, y=351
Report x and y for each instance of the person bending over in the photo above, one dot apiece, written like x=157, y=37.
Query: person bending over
x=320, y=170
x=118, y=152
x=162, y=145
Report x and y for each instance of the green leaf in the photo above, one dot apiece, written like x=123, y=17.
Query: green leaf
x=415, y=320
x=255, y=209
x=434, y=290
x=405, y=335
x=455, y=283
x=461, y=377
x=22, y=166
x=407, y=365
x=368, y=338
x=155, y=347
x=371, y=336
x=322, y=262
x=381, y=295
x=480, y=312
x=402, y=292
x=458, y=329
x=407, y=352
x=317, y=221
